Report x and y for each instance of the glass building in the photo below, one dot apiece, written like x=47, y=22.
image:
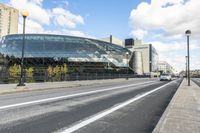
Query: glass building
x=80, y=54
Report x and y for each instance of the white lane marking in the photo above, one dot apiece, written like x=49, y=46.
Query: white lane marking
x=109, y=111
x=70, y=96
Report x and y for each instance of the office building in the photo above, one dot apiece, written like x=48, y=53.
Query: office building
x=8, y=20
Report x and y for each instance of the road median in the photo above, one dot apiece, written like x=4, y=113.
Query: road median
x=183, y=113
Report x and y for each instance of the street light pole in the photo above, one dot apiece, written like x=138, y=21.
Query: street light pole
x=186, y=67
x=24, y=14
x=127, y=65
x=188, y=34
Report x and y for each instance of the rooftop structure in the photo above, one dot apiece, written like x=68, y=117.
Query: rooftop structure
x=113, y=40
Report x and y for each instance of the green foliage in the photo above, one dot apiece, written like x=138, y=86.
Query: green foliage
x=50, y=71
x=64, y=69
x=14, y=70
x=57, y=70
x=75, y=69
x=56, y=73
x=29, y=74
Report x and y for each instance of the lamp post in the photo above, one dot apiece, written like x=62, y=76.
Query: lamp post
x=188, y=34
x=127, y=65
x=186, y=67
x=24, y=14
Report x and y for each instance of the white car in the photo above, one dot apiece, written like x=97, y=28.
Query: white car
x=165, y=77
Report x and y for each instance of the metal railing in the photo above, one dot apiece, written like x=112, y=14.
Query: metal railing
x=6, y=78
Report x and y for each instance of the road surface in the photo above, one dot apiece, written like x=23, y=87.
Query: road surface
x=197, y=81
x=128, y=106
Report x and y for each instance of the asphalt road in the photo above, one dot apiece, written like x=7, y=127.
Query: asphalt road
x=196, y=80
x=128, y=106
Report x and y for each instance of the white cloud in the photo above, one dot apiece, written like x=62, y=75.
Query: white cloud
x=36, y=11
x=31, y=26
x=174, y=53
x=174, y=46
x=65, y=18
x=172, y=16
x=139, y=33
x=56, y=18
x=165, y=21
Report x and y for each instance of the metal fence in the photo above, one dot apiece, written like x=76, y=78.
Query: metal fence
x=6, y=78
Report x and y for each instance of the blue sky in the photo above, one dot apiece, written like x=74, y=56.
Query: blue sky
x=102, y=17
x=160, y=22
x=105, y=17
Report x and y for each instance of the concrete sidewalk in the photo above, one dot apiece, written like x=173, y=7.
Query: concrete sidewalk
x=12, y=88
x=183, y=113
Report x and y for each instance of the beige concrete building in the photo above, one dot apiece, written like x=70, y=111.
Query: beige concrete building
x=113, y=40
x=149, y=57
x=145, y=57
x=8, y=20
x=165, y=67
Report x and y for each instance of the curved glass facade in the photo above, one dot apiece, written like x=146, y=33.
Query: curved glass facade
x=58, y=46
x=43, y=50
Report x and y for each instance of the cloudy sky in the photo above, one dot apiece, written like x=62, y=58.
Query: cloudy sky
x=160, y=22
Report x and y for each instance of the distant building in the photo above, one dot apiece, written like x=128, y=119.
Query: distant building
x=113, y=40
x=165, y=67
x=8, y=20
x=193, y=73
x=145, y=57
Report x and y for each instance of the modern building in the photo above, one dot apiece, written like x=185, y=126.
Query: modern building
x=81, y=55
x=8, y=20
x=114, y=40
x=145, y=57
x=164, y=67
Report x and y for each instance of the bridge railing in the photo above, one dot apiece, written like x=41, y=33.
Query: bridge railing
x=6, y=78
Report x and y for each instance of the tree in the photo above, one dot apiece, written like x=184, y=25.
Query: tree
x=14, y=72
x=64, y=71
x=57, y=72
x=29, y=74
x=50, y=71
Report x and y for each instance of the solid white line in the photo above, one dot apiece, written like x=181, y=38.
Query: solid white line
x=70, y=96
x=109, y=111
